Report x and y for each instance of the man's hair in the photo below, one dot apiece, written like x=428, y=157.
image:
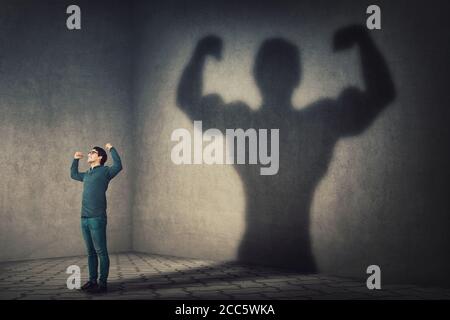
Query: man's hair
x=101, y=153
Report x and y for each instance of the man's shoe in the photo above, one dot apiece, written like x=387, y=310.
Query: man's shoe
x=89, y=286
x=101, y=288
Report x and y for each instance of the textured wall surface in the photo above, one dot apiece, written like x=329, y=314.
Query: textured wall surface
x=60, y=91
x=375, y=194
x=376, y=197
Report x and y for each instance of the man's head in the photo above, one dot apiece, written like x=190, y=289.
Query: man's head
x=97, y=155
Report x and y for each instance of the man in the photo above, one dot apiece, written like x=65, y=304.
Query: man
x=93, y=211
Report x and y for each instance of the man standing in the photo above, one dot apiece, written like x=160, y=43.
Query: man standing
x=93, y=211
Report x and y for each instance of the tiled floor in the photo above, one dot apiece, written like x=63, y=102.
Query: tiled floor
x=144, y=276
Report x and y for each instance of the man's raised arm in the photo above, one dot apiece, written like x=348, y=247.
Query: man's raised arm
x=74, y=173
x=117, y=163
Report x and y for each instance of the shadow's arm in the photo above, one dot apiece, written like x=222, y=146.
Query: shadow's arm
x=377, y=78
x=190, y=87
x=358, y=109
x=209, y=108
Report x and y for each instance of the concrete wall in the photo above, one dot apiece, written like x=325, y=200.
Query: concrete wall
x=376, y=197
x=372, y=196
x=60, y=91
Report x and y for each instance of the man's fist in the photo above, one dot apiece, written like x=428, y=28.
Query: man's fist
x=108, y=146
x=346, y=37
x=78, y=155
x=210, y=45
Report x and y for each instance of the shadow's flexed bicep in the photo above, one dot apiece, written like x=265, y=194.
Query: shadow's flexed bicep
x=210, y=109
x=353, y=112
x=350, y=114
x=190, y=97
x=355, y=109
x=214, y=113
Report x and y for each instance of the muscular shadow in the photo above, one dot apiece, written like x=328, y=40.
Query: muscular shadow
x=278, y=206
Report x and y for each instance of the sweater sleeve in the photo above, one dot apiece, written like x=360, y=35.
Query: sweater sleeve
x=74, y=173
x=117, y=164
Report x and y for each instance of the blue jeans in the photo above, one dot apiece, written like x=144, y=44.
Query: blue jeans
x=94, y=234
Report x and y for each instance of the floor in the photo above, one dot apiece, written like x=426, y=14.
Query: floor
x=147, y=276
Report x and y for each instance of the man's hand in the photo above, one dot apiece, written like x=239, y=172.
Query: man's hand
x=78, y=155
x=108, y=146
x=210, y=45
x=346, y=37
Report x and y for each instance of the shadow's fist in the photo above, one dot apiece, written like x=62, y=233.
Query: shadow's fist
x=210, y=45
x=348, y=36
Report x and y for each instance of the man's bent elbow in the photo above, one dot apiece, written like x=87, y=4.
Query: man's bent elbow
x=116, y=169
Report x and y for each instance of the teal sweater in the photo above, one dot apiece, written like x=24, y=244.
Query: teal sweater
x=95, y=183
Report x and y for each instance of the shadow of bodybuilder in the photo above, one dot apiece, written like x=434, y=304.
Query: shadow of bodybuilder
x=278, y=206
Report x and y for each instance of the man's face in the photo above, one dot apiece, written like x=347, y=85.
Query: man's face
x=93, y=156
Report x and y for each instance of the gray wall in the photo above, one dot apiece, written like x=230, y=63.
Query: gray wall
x=379, y=197
x=60, y=92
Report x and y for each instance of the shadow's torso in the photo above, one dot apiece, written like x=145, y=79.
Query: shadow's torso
x=278, y=206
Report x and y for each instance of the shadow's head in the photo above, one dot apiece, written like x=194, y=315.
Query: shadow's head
x=97, y=155
x=277, y=69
